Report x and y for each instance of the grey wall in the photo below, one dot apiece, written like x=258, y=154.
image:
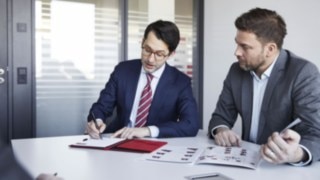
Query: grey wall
x=303, y=25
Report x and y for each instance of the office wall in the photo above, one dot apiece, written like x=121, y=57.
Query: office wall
x=303, y=38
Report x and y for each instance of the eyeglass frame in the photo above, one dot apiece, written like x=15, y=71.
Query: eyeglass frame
x=147, y=52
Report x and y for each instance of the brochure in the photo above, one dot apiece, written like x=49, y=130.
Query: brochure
x=247, y=157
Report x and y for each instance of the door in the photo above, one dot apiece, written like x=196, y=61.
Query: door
x=3, y=72
x=16, y=56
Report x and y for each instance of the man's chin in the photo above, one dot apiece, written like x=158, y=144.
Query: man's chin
x=245, y=68
x=149, y=69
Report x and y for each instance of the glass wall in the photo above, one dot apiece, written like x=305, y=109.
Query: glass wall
x=78, y=45
x=142, y=12
x=76, y=50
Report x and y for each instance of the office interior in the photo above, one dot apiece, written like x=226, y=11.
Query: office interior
x=56, y=55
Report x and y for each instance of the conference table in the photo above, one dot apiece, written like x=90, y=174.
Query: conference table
x=54, y=155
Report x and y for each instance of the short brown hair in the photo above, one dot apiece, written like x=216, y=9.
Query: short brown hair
x=267, y=25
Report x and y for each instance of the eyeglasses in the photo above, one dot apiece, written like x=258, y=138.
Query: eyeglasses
x=158, y=55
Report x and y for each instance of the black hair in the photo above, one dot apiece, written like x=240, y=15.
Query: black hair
x=166, y=31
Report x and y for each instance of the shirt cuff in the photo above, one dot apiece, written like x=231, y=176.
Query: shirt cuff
x=213, y=129
x=154, y=131
x=99, y=120
x=304, y=163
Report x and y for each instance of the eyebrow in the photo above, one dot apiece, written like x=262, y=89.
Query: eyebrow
x=158, y=51
x=242, y=44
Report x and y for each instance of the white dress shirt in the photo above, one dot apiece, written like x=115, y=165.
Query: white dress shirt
x=141, y=84
x=259, y=87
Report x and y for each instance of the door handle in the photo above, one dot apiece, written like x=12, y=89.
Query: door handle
x=1, y=71
x=1, y=80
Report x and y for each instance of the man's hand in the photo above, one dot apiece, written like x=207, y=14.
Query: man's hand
x=226, y=137
x=283, y=148
x=130, y=133
x=94, y=130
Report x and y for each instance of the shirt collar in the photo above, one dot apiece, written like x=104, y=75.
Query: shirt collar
x=266, y=73
x=156, y=74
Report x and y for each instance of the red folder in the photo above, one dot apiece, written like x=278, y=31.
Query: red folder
x=138, y=145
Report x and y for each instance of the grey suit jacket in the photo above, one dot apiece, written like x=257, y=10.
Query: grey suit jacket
x=293, y=90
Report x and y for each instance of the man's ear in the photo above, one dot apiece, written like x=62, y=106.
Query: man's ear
x=271, y=49
x=172, y=53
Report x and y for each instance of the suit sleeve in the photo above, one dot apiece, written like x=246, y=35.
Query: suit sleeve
x=226, y=112
x=184, y=122
x=106, y=102
x=306, y=95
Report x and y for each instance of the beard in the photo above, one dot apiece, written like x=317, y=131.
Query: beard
x=245, y=67
x=259, y=62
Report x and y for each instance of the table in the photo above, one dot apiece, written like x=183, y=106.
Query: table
x=53, y=154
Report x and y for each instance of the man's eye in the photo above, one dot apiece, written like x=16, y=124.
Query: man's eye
x=159, y=54
x=245, y=47
x=148, y=50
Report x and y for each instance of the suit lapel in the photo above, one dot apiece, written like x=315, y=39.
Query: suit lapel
x=276, y=74
x=160, y=93
x=247, y=95
x=131, y=84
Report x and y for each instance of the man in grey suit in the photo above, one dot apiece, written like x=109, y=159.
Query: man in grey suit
x=269, y=87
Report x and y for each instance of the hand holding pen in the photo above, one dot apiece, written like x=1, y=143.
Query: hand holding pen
x=283, y=147
x=95, y=127
x=293, y=123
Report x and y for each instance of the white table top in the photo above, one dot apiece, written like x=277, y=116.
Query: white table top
x=53, y=154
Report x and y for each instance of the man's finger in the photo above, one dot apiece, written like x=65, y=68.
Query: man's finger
x=117, y=133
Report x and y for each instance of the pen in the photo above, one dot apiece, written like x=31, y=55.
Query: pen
x=293, y=123
x=95, y=123
x=204, y=176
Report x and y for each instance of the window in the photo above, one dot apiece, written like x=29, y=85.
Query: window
x=78, y=43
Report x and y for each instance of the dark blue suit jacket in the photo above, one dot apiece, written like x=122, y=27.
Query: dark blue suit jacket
x=173, y=109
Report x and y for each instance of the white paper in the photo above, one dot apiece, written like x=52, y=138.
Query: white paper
x=98, y=143
x=248, y=156
x=177, y=154
x=235, y=156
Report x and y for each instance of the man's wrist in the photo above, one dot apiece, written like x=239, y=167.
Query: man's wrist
x=214, y=130
x=219, y=129
x=305, y=159
x=300, y=156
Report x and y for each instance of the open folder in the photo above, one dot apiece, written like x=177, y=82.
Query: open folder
x=129, y=145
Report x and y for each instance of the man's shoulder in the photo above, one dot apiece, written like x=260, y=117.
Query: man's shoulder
x=129, y=65
x=298, y=63
x=130, y=62
x=177, y=73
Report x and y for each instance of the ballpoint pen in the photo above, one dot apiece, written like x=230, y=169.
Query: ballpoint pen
x=96, y=124
x=293, y=123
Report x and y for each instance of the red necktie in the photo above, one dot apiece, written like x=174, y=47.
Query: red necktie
x=144, y=104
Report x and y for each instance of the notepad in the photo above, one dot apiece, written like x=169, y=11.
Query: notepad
x=97, y=143
x=119, y=144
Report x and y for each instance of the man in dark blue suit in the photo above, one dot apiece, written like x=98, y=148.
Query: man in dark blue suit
x=173, y=111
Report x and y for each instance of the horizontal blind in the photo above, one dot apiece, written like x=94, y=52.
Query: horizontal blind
x=70, y=62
